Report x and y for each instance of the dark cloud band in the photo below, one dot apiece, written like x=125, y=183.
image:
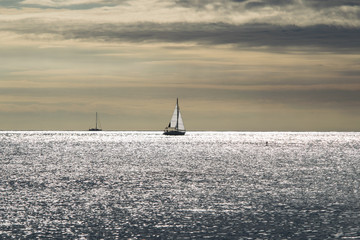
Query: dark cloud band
x=321, y=37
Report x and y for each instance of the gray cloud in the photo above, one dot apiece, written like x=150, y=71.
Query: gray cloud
x=274, y=25
x=64, y=4
x=10, y=3
x=318, y=4
x=272, y=3
x=322, y=37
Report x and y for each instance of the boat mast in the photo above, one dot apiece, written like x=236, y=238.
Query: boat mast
x=96, y=121
x=177, y=116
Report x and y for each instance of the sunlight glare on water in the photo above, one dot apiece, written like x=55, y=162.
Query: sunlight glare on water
x=223, y=185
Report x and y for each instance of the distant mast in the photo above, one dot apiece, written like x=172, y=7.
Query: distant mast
x=96, y=124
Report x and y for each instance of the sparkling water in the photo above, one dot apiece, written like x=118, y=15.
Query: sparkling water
x=215, y=185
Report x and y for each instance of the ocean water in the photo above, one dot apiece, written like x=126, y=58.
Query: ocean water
x=204, y=185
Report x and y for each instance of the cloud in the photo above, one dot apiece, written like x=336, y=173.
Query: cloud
x=261, y=3
x=59, y=3
x=278, y=13
x=267, y=24
x=266, y=36
x=319, y=4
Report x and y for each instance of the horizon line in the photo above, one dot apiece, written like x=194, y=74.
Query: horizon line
x=37, y=130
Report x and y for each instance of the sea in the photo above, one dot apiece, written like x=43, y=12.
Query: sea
x=204, y=185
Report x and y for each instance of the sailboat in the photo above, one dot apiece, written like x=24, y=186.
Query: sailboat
x=176, y=124
x=96, y=125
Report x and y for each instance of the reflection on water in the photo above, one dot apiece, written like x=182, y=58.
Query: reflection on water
x=223, y=185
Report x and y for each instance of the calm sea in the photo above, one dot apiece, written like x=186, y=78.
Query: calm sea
x=204, y=185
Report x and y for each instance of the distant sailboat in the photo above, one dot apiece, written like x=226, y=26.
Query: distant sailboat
x=96, y=125
x=176, y=124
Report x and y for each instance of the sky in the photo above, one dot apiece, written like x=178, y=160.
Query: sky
x=242, y=65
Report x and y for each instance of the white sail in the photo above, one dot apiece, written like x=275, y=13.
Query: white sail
x=173, y=120
x=176, y=119
x=181, y=123
x=176, y=125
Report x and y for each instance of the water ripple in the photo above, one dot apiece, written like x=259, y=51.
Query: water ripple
x=217, y=185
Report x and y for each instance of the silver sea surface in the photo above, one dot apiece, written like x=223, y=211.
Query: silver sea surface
x=215, y=185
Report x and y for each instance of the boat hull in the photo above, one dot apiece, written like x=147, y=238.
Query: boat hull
x=95, y=129
x=174, y=133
